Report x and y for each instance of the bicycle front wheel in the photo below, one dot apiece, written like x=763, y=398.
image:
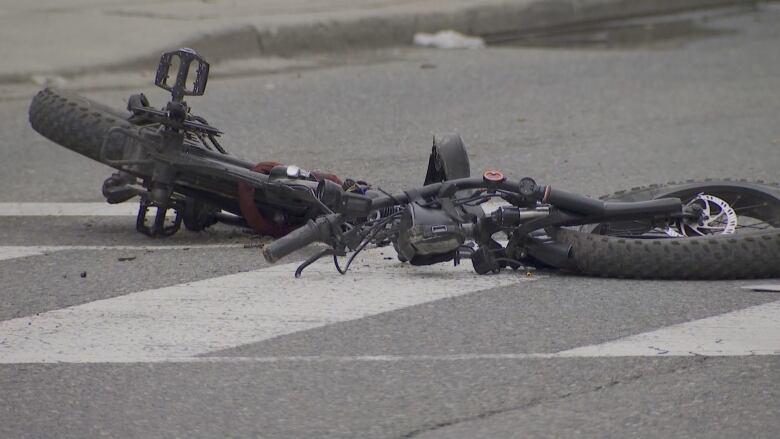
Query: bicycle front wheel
x=739, y=237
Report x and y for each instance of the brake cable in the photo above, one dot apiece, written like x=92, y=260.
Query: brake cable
x=373, y=231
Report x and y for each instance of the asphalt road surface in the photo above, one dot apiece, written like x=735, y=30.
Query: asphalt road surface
x=104, y=332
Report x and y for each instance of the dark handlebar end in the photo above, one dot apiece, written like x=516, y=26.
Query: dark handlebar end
x=313, y=231
x=269, y=257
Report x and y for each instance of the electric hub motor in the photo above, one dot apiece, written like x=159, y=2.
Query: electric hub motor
x=428, y=235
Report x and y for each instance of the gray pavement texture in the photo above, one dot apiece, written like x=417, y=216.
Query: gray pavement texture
x=48, y=39
x=562, y=116
x=593, y=121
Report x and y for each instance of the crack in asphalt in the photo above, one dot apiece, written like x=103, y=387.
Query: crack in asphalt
x=697, y=360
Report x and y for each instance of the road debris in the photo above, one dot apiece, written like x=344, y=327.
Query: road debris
x=448, y=39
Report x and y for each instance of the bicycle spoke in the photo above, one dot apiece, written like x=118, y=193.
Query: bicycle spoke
x=722, y=212
x=736, y=200
x=755, y=226
x=749, y=207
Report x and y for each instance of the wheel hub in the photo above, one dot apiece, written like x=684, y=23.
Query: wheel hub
x=717, y=218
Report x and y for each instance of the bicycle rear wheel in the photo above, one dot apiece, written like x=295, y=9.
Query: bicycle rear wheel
x=73, y=121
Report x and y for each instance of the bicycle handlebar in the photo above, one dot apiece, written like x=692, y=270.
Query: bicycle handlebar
x=320, y=229
x=326, y=228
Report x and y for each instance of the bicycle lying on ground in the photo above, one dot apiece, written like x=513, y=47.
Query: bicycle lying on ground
x=172, y=160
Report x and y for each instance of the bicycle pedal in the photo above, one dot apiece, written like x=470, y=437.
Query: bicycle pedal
x=158, y=227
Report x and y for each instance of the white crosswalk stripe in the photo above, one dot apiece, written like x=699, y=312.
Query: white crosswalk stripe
x=180, y=323
x=199, y=317
x=68, y=209
x=18, y=251
x=749, y=331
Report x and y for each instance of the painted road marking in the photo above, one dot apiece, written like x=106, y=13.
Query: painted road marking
x=749, y=331
x=356, y=358
x=121, y=209
x=767, y=288
x=68, y=209
x=746, y=332
x=199, y=317
x=13, y=252
x=105, y=209
x=178, y=323
x=18, y=251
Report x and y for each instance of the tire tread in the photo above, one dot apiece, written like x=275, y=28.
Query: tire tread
x=73, y=121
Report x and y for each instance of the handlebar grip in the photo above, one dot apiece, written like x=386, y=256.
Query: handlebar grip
x=308, y=233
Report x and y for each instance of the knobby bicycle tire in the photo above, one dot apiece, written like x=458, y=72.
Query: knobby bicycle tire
x=74, y=121
x=754, y=254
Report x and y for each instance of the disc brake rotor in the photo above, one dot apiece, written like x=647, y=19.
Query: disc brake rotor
x=717, y=218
